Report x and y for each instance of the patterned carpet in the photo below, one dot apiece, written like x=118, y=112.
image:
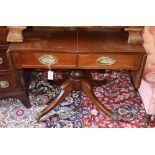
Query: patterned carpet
x=76, y=111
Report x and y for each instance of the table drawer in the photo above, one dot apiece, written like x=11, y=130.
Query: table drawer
x=110, y=61
x=35, y=60
x=4, y=64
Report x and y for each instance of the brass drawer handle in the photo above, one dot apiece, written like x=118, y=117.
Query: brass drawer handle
x=48, y=59
x=4, y=84
x=1, y=60
x=106, y=60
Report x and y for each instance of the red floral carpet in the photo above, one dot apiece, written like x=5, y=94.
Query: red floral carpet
x=76, y=111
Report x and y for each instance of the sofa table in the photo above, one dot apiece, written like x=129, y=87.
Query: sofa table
x=78, y=51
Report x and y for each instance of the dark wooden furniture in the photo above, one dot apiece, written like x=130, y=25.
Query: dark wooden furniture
x=79, y=50
x=10, y=86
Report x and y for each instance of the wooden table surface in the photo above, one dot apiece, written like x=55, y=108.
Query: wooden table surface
x=83, y=40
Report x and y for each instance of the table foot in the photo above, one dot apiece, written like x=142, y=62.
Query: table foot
x=87, y=89
x=66, y=89
x=147, y=119
x=115, y=118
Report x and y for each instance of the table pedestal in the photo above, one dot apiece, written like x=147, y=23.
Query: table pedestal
x=79, y=80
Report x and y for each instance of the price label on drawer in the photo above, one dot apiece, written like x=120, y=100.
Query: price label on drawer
x=50, y=75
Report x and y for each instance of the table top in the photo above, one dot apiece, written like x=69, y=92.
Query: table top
x=77, y=40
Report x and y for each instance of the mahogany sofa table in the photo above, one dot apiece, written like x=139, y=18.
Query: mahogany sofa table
x=78, y=51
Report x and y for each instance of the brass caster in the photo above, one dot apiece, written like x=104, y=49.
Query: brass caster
x=115, y=118
x=146, y=122
x=38, y=116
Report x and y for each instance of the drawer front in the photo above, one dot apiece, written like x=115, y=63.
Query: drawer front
x=35, y=60
x=110, y=61
x=7, y=86
x=4, y=64
x=6, y=82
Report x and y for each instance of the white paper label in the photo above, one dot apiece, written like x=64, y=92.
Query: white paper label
x=50, y=75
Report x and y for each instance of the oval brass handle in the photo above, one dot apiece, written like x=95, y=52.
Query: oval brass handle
x=4, y=84
x=48, y=59
x=1, y=60
x=106, y=60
